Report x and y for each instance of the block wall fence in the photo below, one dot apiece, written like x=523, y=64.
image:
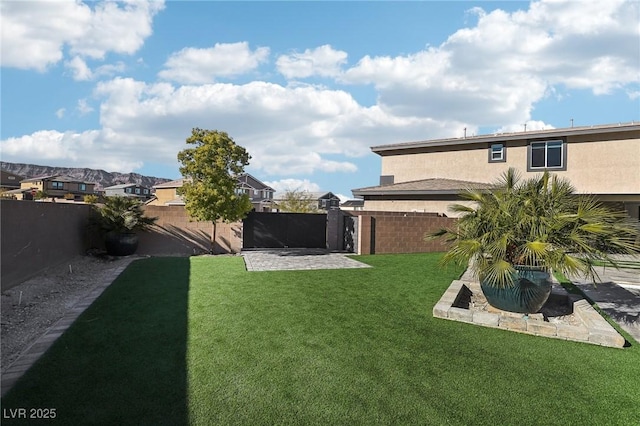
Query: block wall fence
x=35, y=236
x=398, y=232
x=174, y=234
x=38, y=235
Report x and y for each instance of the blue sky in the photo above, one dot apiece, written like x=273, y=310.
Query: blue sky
x=306, y=87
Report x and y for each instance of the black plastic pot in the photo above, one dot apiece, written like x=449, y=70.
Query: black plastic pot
x=531, y=289
x=119, y=244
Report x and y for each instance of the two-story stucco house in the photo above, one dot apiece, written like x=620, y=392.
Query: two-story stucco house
x=57, y=186
x=10, y=185
x=261, y=195
x=603, y=160
x=316, y=201
x=9, y=181
x=129, y=190
x=326, y=200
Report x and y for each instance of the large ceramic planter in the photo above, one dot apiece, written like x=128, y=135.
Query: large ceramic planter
x=118, y=244
x=531, y=289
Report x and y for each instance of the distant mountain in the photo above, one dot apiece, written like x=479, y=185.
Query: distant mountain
x=101, y=178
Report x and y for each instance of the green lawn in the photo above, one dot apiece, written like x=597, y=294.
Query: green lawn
x=201, y=341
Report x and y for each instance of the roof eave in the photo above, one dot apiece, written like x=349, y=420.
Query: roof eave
x=361, y=193
x=506, y=136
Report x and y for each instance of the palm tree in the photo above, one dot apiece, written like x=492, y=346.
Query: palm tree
x=538, y=222
x=119, y=218
x=122, y=215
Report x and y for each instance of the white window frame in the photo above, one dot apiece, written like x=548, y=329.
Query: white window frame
x=502, y=153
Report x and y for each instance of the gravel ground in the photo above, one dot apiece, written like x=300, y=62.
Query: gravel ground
x=33, y=306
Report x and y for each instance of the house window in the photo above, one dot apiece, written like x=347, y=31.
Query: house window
x=138, y=191
x=497, y=153
x=128, y=190
x=547, y=155
x=57, y=185
x=82, y=187
x=145, y=191
x=11, y=177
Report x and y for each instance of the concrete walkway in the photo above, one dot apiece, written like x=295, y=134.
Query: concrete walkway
x=297, y=259
x=618, y=294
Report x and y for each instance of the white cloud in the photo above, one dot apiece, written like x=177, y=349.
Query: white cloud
x=35, y=34
x=95, y=149
x=275, y=123
x=83, y=107
x=531, y=125
x=198, y=66
x=343, y=197
x=287, y=130
x=323, y=61
x=283, y=185
x=131, y=22
x=60, y=112
x=494, y=72
x=491, y=74
x=79, y=69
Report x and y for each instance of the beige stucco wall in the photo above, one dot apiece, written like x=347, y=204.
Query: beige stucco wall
x=29, y=185
x=426, y=206
x=593, y=166
x=163, y=196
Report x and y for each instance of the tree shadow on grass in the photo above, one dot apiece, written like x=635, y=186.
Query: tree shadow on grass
x=123, y=361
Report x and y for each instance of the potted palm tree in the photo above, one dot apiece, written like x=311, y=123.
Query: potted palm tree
x=520, y=231
x=119, y=218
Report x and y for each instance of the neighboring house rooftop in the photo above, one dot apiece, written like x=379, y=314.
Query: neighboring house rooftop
x=10, y=180
x=495, y=137
x=423, y=186
x=353, y=203
x=58, y=178
x=121, y=186
x=322, y=194
x=252, y=182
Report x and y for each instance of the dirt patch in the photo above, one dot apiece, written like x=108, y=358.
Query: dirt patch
x=30, y=308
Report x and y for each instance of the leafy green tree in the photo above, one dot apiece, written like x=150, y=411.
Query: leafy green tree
x=90, y=199
x=211, y=169
x=297, y=201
